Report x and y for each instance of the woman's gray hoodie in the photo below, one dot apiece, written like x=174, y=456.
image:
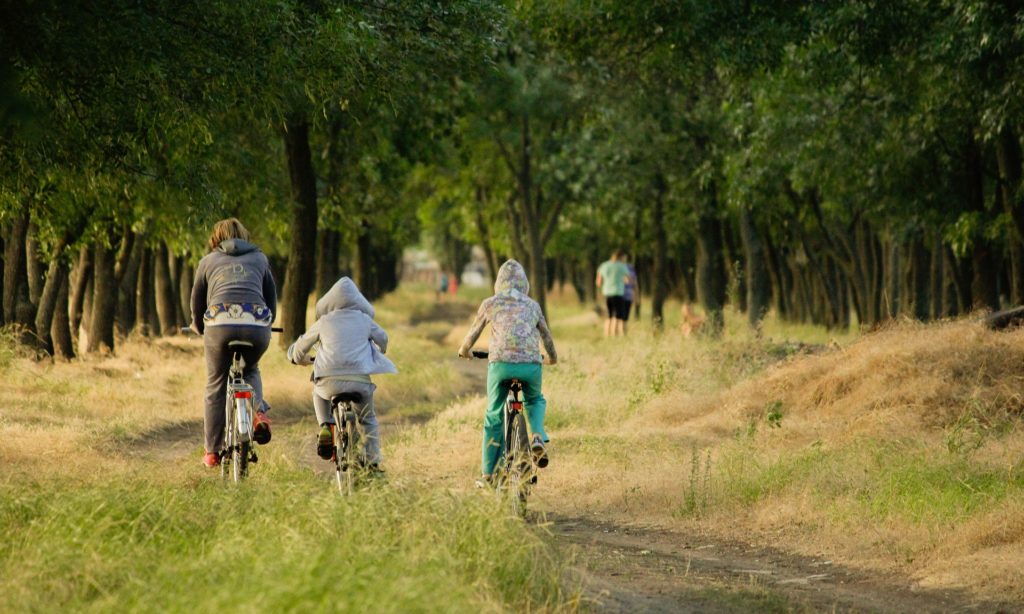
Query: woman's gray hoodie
x=235, y=272
x=347, y=340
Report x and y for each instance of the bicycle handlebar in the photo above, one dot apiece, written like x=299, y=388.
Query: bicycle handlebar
x=484, y=354
x=187, y=330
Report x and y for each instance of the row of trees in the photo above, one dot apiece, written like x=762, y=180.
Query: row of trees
x=834, y=162
x=128, y=129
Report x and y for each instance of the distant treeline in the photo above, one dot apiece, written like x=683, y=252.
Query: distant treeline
x=832, y=162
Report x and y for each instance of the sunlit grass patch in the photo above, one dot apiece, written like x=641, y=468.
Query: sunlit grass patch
x=282, y=542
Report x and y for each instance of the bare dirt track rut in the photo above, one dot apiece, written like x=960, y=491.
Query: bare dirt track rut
x=640, y=569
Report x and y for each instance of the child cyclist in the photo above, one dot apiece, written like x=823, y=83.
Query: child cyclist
x=517, y=328
x=349, y=347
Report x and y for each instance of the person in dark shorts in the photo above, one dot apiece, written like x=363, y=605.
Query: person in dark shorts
x=632, y=292
x=612, y=276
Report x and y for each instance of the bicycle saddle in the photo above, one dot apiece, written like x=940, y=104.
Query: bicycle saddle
x=239, y=344
x=352, y=397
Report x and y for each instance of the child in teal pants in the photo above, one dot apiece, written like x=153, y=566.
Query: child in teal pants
x=518, y=328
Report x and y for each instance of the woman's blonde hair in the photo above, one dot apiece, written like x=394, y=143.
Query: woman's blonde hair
x=223, y=230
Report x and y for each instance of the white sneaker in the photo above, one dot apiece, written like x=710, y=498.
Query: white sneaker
x=540, y=453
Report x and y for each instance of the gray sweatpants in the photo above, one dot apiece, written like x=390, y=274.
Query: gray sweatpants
x=324, y=389
x=218, y=363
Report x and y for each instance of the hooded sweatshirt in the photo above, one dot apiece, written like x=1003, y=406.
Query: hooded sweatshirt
x=237, y=272
x=517, y=322
x=350, y=342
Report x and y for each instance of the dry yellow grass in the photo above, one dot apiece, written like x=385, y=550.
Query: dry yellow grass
x=863, y=464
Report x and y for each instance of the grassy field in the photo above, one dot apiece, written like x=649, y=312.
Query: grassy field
x=898, y=451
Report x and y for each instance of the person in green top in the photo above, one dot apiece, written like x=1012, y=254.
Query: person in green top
x=612, y=276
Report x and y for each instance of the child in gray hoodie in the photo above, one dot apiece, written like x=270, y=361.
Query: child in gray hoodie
x=349, y=348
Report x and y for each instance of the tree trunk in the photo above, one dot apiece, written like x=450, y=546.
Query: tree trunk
x=60, y=325
x=938, y=278
x=362, y=265
x=15, y=274
x=299, y=273
x=186, y=278
x=143, y=283
x=921, y=271
x=101, y=326
x=166, y=302
x=531, y=217
x=659, y=289
x=485, y=231
x=36, y=274
x=961, y=273
x=894, y=278
x=150, y=293
x=327, y=270
x=758, y=283
x=55, y=277
x=1008, y=158
x=711, y=282
x=80, y=290
x=127, y=287
x=984, y=290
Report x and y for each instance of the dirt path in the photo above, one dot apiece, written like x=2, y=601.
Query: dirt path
x=635, y=568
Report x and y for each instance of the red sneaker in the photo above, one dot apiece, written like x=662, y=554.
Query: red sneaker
x=261, y=428
x=211, y=459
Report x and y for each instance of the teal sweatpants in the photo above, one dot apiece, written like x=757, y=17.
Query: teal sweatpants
x=529, y=373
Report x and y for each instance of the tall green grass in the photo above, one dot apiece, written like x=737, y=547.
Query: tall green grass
x=285, y=541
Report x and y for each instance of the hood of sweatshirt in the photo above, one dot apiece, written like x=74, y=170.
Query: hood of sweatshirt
x=511, y=276
x=236, y=247
x=344, y=294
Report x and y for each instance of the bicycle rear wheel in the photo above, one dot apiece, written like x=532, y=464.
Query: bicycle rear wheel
x=241, y=447
x=240, y=460
x=339, y=448
x=350, y=452
x=518, y=455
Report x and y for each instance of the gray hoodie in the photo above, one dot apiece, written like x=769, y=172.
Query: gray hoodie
x=350, y=342
x=236, y=272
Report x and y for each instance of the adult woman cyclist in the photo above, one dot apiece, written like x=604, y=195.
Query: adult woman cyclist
x=233, y=299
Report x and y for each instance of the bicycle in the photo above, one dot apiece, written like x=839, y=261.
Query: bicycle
x=238, y=451
x=516, y=472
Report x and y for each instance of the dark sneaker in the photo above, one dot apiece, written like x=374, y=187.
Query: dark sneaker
x=540, y=453
x=325, y=442
x=211, y=459
x=261, y=428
